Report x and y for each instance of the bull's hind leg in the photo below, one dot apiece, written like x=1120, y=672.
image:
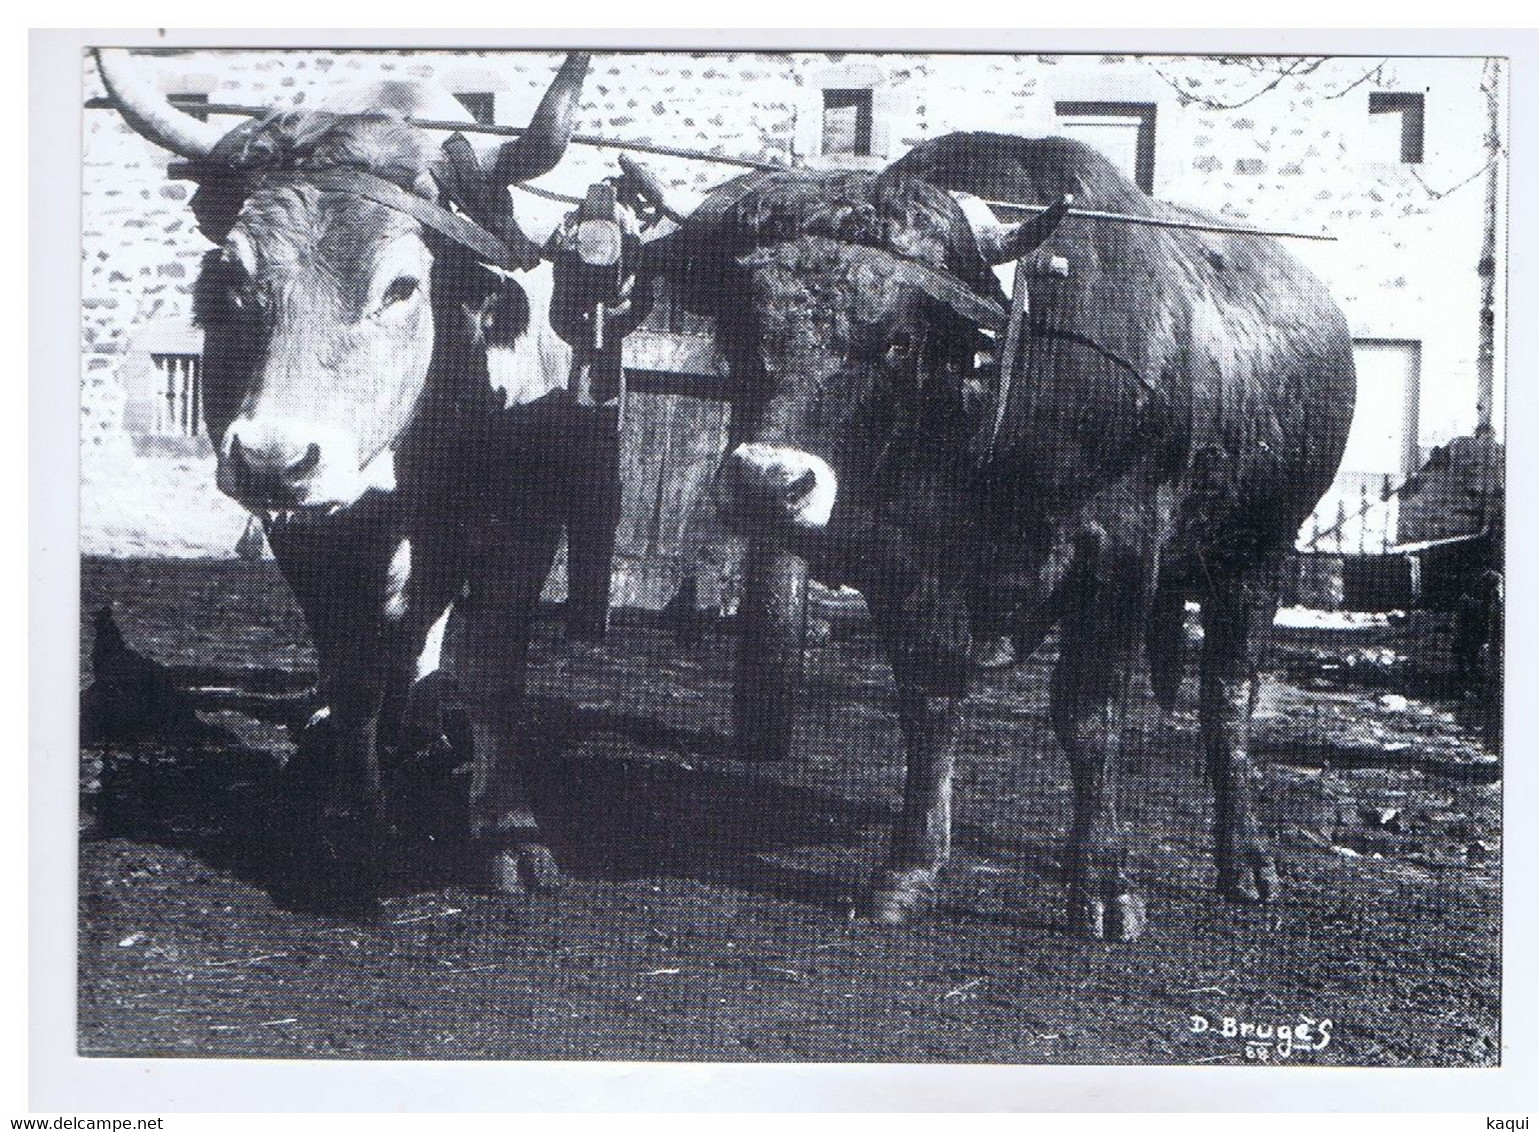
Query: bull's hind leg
x=1237, y=615
x=508, y=573
x=1092, y=687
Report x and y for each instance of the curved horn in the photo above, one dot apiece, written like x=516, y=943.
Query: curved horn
x=1001, y=243
x=538, y=149
x=147, y=110
x=676, y=206
x=939, y=285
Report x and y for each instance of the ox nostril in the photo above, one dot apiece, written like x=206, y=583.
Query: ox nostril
x=801, y=487
x=305, y=464
x=780, y=483
x=238, y=456
x=756, y=484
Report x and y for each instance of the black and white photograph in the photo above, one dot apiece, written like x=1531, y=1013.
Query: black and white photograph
x=787, y=556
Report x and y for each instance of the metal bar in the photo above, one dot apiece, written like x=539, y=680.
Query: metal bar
x=1389, y=516
x=480, y=128
x=1438, y=543
x=1156, y=222
x=747, y=163
x=546, y=194
x=1362, y=526
x=181, y=396
x=167, y=422
x=1008, y=361
x=196, y=361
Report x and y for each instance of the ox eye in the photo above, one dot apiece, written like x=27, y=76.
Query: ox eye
x=399, y=291
x=236, y=280
x=241, y=296
x=900, y=349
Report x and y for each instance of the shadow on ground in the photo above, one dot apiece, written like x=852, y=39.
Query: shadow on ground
x=619, y=796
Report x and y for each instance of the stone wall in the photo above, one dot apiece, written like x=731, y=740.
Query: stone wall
x=1277, y=143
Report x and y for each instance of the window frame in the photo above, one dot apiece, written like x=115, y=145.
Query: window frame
x=1411, y=105
x=863, y=101
x=1147, y=116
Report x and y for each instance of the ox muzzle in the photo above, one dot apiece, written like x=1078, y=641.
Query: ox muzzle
x=274, y=465
x=776, y=484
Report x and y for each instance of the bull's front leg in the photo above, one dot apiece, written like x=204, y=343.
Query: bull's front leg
x=354, y=810
x=337, y=569
x=1092, y=684
x=927, y=641
x=508, y=572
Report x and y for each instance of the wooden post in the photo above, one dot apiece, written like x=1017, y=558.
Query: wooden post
x=683, y=612
x=772, y=626
x=1485, y=358
x=1362, y=520
x=592, y=519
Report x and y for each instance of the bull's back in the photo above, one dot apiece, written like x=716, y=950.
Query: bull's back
x=1247, y=348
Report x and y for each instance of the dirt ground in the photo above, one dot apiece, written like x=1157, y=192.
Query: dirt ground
x=709, y=910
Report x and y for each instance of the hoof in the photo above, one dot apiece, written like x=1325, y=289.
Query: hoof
x=1251, y=878
x=1121, y=919
x=521, y=869
x=900, y=895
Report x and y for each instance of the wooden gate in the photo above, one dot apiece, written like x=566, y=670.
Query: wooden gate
x=673, y=437
x=671, y=440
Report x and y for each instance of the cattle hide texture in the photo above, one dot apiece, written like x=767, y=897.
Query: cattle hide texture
x=1179, y=403
x=1246, y=358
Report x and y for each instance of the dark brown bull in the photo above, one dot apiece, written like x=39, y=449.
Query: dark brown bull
x=370, y=312
x=1182, y=402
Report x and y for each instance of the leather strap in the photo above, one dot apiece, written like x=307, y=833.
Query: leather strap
x=1010, y=351
x=457, y=227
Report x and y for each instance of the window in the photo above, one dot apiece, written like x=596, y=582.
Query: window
x=482, y=105
x=1384, y=438
x=847, y=122
x=1123, y=131
x=1411, y=106
x=178, y=404
x=845, y=113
